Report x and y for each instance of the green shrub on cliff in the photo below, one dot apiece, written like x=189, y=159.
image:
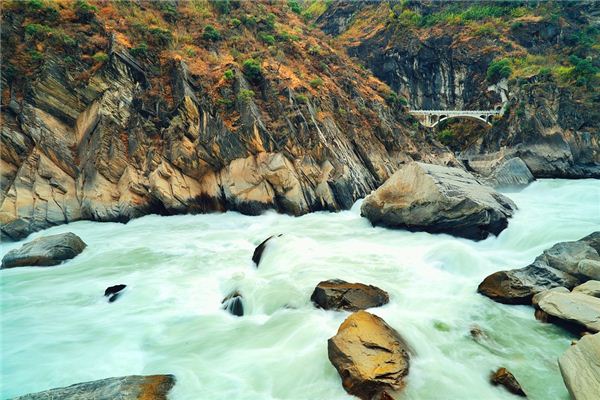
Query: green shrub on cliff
x=498, y=69
x=211, y=34
x=252, y=69
x=245, y=96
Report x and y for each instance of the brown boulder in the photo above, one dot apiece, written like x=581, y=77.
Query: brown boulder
x=503, y=377
x=336, y=294
x=369, y=355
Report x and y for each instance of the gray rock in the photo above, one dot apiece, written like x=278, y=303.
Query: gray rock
x=591, y=288
x=580, y=368
x=45, y=251
x=336, y=294
x=566, y=264
x=437, y=199
x=135, y=387
x=574, y=307
x=512, y=173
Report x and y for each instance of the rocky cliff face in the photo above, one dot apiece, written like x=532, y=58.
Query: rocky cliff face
x=437, y=56
x=103, y=149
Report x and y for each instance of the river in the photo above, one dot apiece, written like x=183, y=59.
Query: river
x=57, y=328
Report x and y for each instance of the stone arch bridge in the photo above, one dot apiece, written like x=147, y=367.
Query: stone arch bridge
x=430, y=118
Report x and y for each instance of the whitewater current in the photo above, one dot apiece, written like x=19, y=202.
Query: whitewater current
x=58, y=329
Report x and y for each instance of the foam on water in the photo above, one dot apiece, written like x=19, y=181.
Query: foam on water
x=57, y=328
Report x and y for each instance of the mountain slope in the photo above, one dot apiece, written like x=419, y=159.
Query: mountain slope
x=112, y=110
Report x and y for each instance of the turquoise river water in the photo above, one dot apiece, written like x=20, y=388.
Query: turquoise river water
x=57, y=328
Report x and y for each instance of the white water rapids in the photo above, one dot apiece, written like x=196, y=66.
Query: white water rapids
x=58, y=329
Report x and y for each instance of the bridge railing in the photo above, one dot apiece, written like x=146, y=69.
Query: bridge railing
x=455, y=112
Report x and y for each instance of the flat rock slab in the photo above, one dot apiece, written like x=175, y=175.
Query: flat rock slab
x=438, y=199
x=336, y=294
x=369, y=355
x=572, y=307
x=45, y=251
x=134, y=387
x=580, y=368
x=591, y=288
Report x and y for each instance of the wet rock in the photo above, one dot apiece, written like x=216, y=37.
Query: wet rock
x=369, y=355
x=477, y=333
x=573, y=308
x=45, y=251
x=436, y=199
x=234, y=304
x=258, y=252
x=503, y=377
x=591, y=288
x=113, y=292
x=135, y=387
x=336, y=294
x=580, y=368
x=566, y=264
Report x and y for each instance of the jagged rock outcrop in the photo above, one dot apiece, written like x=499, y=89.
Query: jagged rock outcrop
x=45, y=251
x=425, y=197
x=98, y=152
x=580, y=368
x=336, y=294
x=369, y=355
x=134, y=387
x=566, y=264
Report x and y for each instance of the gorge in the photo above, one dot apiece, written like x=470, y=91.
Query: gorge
x=201, y=198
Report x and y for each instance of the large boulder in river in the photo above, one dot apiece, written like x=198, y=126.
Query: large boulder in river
x=134, y=387
x=572, y=308
x=566, y=264
x=369, y=355
x=580, y=368
x=437, y=199
x=336, y=294
x=45, y=251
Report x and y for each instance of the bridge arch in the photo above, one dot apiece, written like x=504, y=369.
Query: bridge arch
x=431, y=118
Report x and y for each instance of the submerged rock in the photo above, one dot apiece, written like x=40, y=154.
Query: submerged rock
x=45, y=251
x=258, y=252
x=113, y=292
x=566, y=264
x=573, y=308
x=233, y=303
x=580, y=368
x=369, y=355
x=336, y=294
x=505, y=378
x=437, y=199
x=134, y=387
